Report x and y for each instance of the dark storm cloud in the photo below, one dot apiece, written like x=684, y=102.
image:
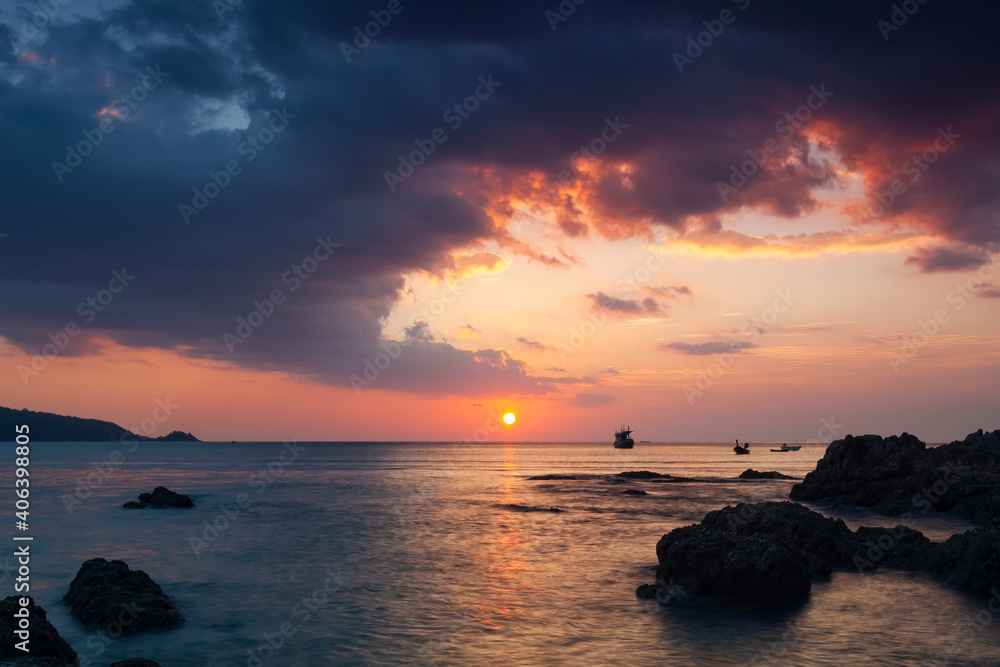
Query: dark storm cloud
x=322, y=176
x=944, y=258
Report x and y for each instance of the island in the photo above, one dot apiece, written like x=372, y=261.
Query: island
x=49, y=427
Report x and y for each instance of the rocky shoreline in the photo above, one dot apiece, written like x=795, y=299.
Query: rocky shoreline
x=770, y=552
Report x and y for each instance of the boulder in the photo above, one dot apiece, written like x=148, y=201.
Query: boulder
x=47, y=647
x=899, y=547
x=970, y=561
x=700, y=560
x=108, y=592
x=160, y=498
x=764, y=552
x=900, y=475
x=750, y=473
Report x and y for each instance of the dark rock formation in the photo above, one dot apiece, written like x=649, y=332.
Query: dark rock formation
x=545, y=477
x=634, y=492
x=46, y=646
x=135, y=662
x=820, y=542
x=641, y=474
x=750, y=473
x=529, y=508
x=900, y=475
x=898, y=547
x=177, y=436
x=160, y=498
x=699, y=560
x=764, y=552
x=971, y=560
x=108, y=592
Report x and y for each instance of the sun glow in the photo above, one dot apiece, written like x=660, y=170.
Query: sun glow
x=509, y=418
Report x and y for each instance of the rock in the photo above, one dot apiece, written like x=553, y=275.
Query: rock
x=700, y=560
x=105, y=592
x=970, y=561
x=898, y=547
x=765, y=552
x=750, y=473
x=546, y=477
x=47, y=647
x=529, y=508
x=160, y=498
x=641, y=474
x=135, y=662
x=820, y=542
x=634, y=492
x=900, y=475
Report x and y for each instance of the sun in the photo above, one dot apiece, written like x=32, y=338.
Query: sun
x=509, y=418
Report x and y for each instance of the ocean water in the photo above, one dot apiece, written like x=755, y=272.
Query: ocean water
x=405, y=554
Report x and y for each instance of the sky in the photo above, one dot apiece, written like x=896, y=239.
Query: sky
x=397, y=220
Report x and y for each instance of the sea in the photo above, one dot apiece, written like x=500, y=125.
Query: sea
x=419, y=553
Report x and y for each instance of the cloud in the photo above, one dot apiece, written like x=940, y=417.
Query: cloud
x=464, y=209
x=420, y=331
x=610, y=304
x=988, y=290
x=947, y=258
x=532, y=344
x=712, y=347
x=585, y=400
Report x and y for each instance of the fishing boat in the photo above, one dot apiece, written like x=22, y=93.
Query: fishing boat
x=623, y=439
x=788, y=448
x=741, y=450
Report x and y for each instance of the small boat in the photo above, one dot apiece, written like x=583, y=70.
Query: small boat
x=788, y=448
x=622, y=439
x=741, y=450
x=782, y=450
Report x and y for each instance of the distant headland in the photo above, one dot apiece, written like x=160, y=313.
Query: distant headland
x=48, y=427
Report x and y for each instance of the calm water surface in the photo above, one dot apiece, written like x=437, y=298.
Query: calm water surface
x=404, y=554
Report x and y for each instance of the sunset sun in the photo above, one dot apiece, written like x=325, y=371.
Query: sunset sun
x=509, y=418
